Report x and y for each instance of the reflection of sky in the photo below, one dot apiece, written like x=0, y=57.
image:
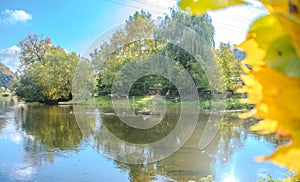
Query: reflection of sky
x=11, y=135
x=241, y=165
x=11, y=154
x=17, y=164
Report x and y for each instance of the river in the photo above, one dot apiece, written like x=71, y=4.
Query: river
x=44, y=143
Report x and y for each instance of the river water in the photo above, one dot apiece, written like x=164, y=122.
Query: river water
x=44, y=143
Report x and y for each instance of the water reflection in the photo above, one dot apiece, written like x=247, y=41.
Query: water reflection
x=50, y=127
x=44, y=143
x=229, y=156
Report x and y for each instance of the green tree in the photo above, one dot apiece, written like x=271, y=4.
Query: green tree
x=140, y=37
x=230, y=67
x=46, y=75
x=127, y=44
x=202, y=25
x=34, y=47
x=59, y=74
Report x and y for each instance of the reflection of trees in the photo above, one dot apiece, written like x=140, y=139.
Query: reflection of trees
x=234, y=132
x=104, y=136
x=189, y=163
x=47, y=129
x=132, y=135
x=139, y=172
x=5, y=104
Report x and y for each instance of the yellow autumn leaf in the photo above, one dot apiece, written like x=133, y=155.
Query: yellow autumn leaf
x=200, y=6
x=280, y=93
x=266, y=30
x=266, y=126
x=288, y=14
x=247, y=114
x=253, y=87
x=254, y=54
x=267, y=43
x=282, y=57
x=292, y=28
x=285, y=156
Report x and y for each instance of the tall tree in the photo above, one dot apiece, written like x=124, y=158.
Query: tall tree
x=34, y=47
x=202, y=26
x=230, y=67
x=46, y=71
x=127, y=44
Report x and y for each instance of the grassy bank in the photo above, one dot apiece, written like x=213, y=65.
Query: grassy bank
x=204, y=104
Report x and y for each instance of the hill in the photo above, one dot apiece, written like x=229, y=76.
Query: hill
x=6, y=76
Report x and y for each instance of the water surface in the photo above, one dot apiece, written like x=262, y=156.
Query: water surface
x=44, y=143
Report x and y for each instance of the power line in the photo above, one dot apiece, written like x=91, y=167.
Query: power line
x=142, y=3
x=231, y=29
x=132, y=6
x=227, y=25
x=222, y=25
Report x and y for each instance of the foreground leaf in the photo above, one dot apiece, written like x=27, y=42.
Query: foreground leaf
x=282, y=57
x=266, y=126
x=285, y=156
x=288, y=14
x=200, y=6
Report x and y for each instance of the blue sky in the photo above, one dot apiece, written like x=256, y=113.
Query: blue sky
x=73, y=25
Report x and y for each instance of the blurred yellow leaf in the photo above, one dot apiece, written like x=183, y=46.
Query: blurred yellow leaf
x=288, y=14
x=285, y=156
x=281, y=95
x=266, y=126
x=265, y=30
x=282, y=57
x=200, y=6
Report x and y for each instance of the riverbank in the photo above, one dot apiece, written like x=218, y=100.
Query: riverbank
x=204, y=104
x=140, y=102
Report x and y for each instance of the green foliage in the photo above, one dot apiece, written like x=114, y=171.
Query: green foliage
x=34, y=47
x=47, y=77
x=123, y=48
x=126, y=44
x=230, y=67
x=140, y=38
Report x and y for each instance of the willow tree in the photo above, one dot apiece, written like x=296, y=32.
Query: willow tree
x=204, y=30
